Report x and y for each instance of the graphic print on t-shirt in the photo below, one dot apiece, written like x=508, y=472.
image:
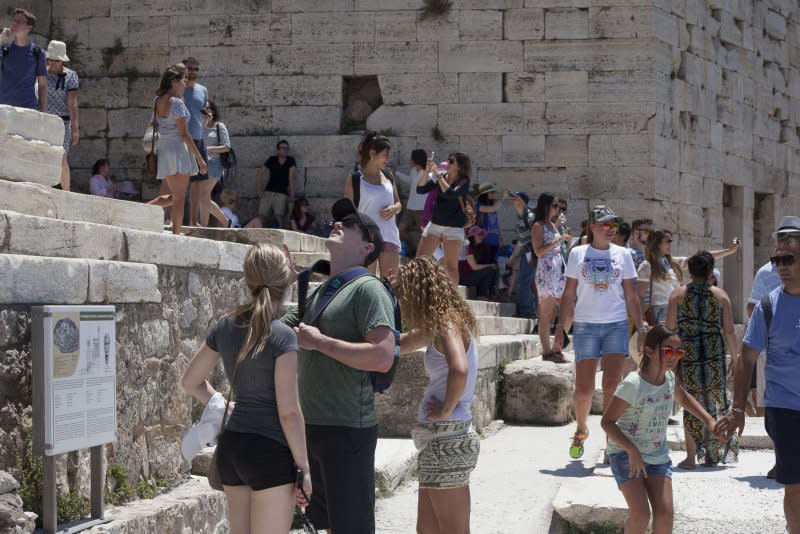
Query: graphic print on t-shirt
x=600, y=273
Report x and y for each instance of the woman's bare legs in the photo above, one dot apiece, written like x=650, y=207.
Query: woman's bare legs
x=271, y=510
x=177, y=187
x=452, y=250
x=547, y=309
x=238, y=498
x=427, y=246
x=451, y=510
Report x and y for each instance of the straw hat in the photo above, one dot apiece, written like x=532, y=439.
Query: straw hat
x=57, y=51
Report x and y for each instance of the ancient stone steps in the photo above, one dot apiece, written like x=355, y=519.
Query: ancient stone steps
x=295, y=241
x=42, y=201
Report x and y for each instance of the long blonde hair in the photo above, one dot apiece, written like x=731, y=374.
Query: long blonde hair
x=429, y=300
x=268, y=276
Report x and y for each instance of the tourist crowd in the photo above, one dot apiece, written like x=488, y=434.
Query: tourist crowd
x=303, y=429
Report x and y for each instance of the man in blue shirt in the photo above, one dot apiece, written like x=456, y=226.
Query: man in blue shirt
x=22, y=65
x=196, y=98
x=782, y=396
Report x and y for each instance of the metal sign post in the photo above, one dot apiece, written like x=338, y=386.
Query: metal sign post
x=74, y=397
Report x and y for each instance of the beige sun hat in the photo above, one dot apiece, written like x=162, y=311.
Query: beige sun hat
x=57, y=51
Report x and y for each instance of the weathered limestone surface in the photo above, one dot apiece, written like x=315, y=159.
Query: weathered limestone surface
x=538, y=392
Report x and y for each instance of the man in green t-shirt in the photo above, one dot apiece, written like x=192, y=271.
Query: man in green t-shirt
x=353, y=336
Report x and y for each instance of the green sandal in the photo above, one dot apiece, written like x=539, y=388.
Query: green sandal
x=576, y=446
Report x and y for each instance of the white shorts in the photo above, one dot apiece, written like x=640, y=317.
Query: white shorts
x=445, y=233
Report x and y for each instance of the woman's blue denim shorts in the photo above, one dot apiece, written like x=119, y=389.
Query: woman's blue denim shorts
x=620, y=468
x=595, y=340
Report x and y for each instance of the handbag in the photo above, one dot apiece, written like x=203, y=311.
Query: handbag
x=151, y=158
x=650, y=313
x=468, y=209
x=227, y=159
x=214, y=479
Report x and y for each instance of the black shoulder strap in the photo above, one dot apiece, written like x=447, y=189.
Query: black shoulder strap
x=335, y=285
x=766, y=309
x=356, y=183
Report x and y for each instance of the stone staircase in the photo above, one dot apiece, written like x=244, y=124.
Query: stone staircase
x=65, y=248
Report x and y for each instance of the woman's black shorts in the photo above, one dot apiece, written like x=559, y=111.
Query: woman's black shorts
x=252, y=460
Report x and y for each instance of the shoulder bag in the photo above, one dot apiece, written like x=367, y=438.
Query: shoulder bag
x=227, y=159
x=151, y=158
x=214, y=479
x=650, y=313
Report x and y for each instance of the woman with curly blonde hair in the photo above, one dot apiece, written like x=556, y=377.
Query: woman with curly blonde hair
x=435, y=315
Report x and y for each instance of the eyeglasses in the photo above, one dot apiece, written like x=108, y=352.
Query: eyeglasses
x=562, y=208
x=354, y=221
x=283, y=147
x=673, y=353
x=610, y=225
x=786, y=259
x=645, y=230
x=193, y=68
x=668, y=240
x=451, y=161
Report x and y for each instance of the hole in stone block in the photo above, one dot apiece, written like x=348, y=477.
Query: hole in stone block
x=682, y=67
x=763, y=225
x=716, y=14
x=739, y=24
x=361, y=95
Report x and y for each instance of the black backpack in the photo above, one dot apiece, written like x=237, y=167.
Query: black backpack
x=380, y=381
x=37, y=52
x=356, y=182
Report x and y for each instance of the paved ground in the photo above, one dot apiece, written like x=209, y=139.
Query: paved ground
x=519, y=472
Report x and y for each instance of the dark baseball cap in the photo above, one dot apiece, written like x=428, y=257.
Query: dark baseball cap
x=344, y=211
x=602, y=214
x=522, y=195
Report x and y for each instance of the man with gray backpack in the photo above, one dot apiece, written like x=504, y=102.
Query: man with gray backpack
x=347, y=330
x=775, y=328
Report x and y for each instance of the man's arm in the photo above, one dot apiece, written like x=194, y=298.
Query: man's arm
x=42, y=82
x=260, y=179
x=292, y=171
x=376, y=353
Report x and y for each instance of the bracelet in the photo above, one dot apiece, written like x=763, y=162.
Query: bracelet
x=641, y=330
x=737, y=410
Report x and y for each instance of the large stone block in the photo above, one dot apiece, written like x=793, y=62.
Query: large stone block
x=623, y=149
x=481, y=119
x=118, y=282
x=524, y=24
x=635, y=85
x=484, y=151
x=538, y=392
x=154, y=31
x=566, y=86
x=302, y=6
x=480, y=56
x=419, y=88
x=189, y=30
x=396, y=25
x=566, y=150
x=306, y=120
x=172, y=250
x=480, y=25
x=252, y=60
x=524, y=87
x=30, y=161
x=619, y=22
x=130, y=122
x=104, y=32
x=370, y=58
x=474, y=87
x=37, y=280
x=405, y=120
x=589, y=55
x=523, y=150
x=566, y=23
x=275, y=28
x=312, y=58
x=43, y=236
x=605, y=117
x=31, y=125
x=351, y=27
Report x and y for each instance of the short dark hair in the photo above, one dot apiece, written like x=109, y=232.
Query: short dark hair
x=638, y=223
x=624, y=231
x=281, y=142
x=419, y=157
x=30, y=18
x=190, y=59
x=214, y=110
x=99, y=163
x=701, y=265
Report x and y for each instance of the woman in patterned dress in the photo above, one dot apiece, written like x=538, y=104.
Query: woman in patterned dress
x=550, y=276
x=702, y=315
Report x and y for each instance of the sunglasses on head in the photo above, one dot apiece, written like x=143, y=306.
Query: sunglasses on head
x=673, y=353
x=786, y=259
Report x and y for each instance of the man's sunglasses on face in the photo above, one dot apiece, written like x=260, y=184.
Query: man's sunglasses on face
x=610, y=225
x=786, y=259
x=349, y=223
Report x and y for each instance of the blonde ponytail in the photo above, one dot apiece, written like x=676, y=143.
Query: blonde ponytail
x=267, y=275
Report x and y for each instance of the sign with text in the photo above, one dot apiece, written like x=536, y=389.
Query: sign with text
x=74, y=377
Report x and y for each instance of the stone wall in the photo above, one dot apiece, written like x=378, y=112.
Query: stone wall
x=155, y=342
x=678, y=110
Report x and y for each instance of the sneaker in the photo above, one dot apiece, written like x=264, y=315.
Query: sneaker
x=771, y=473
x=576, y=447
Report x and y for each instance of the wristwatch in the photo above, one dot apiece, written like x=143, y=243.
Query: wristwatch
x=641, y=330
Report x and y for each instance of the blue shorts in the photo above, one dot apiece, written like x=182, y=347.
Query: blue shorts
x=595, y=340
x=620, y=468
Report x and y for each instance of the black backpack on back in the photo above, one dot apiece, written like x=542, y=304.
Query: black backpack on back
x=37, y=53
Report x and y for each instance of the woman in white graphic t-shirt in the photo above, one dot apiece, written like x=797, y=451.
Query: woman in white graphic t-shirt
x=599, y=293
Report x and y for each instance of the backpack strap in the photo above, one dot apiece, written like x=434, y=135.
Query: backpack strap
x=355, y=180
x=766, y=309
x=335, y=285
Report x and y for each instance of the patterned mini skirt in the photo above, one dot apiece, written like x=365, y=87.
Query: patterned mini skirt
x=448, y=452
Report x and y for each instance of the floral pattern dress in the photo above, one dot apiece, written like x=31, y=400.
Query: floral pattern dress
x=703, y=370
x=550, y=277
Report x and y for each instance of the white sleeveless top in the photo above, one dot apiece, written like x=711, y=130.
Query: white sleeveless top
x=372, y=200
x=436, y=368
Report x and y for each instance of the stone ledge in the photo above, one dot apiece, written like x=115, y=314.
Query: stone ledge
x=31, y=124
x=23, y=160
x=295, y=241
x=191, y=507
x=38, y=200
x=182, y=251
x=48, y=280
x=538, y=392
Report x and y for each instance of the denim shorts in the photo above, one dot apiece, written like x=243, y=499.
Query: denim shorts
x=620, y=468
x=595, y=340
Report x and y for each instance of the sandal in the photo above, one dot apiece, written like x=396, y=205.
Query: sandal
x=576, y=446
x=555, y=357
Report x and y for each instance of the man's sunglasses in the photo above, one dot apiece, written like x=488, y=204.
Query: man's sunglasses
x=610, y=225
x=353, y=221
x=786, y=259
x=673, y=353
